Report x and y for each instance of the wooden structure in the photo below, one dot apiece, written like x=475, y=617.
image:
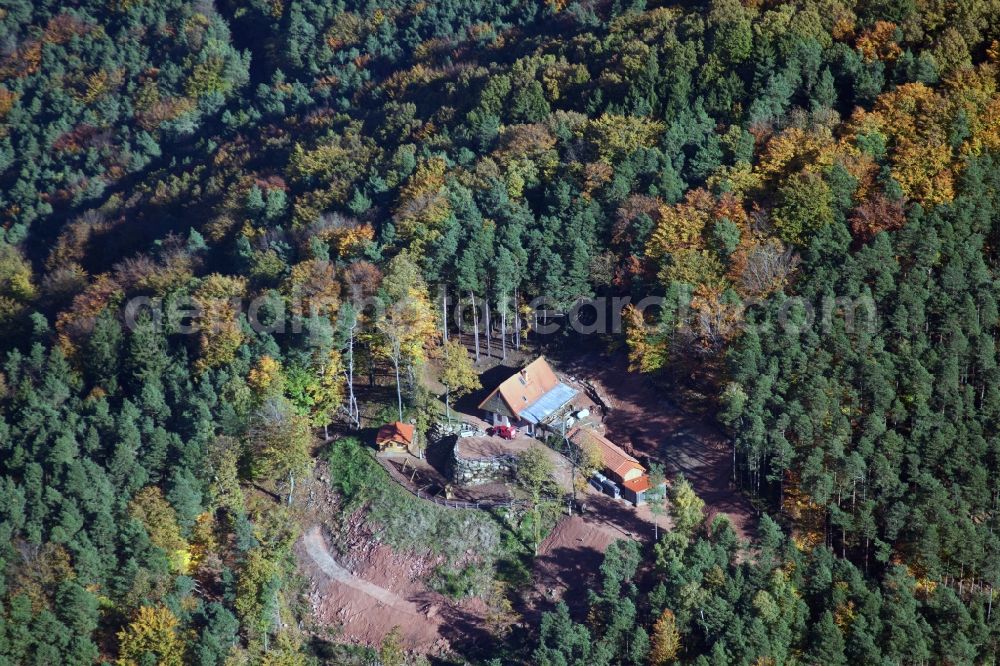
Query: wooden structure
x=396, y=436
x=618, y=465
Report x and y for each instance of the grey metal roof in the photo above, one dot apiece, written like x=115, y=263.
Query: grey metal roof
x=548, y=403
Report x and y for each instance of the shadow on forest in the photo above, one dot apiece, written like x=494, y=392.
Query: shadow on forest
x=489, y=379
x=576, y=570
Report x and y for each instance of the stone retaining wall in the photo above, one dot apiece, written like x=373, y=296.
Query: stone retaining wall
x=474, y=472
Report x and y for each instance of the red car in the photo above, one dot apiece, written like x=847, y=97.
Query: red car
x=504, y=432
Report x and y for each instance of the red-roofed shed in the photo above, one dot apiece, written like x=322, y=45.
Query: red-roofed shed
x=396, y=436
x=619, y=466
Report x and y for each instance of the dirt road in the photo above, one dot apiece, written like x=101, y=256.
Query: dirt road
x=315, y=546
x=364, y=611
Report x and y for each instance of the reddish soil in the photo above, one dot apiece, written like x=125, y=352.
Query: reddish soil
x=569, y=558
x=367, y=594
x=640, y=418
x=643, y=418
x=363, y=588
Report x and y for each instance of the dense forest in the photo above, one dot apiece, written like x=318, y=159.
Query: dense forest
x=812, y=188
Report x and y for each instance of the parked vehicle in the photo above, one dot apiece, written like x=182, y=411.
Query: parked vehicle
x=611, y=489
x=605, y=485
x=502, y=431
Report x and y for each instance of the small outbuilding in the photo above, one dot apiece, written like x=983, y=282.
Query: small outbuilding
x=620, y=467
x=396, y=436
x=635, y=489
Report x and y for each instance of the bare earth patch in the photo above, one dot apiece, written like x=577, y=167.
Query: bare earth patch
x=570, y=557
x=383, y=592
x=571, y=554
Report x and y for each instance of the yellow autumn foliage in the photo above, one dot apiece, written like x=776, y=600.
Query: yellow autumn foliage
x=616, y=136
x=155, y=630
x=423, y=204
x=151, y=508
x=218, y=308
x=681, y=226
x=266, y=378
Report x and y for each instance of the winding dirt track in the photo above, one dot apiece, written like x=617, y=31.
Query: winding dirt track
x=364, y=611
x=315, y=547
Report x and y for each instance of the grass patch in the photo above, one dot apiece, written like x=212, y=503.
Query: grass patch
x=343, y=654
x=409, y=524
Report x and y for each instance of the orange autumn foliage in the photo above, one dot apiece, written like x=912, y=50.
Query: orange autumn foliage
x=361, y=280
x=729, y=206
x=7, y=99
x=665, y=640
x=76, y=322
x=795, y=149
x=680, y=226
x=352, y=240
x=64, y=27
x=313, y=288
x=915, y=119
x=876, y=214
x=878, y=42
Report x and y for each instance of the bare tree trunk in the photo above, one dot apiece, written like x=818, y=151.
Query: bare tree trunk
x=371, y=366
x=989, y=612
x=396, y=353
x=517, y=323
x=399, y=391
x=503, y=331
x=353, y=412
x=291, y=487
x=488, y=326
x=444, y=314
x=475, y=322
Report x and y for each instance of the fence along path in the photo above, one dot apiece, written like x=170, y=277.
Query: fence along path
x=401, y=479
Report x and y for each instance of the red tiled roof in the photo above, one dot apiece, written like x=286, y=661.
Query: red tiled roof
x=396, y=432
x=638, y=485
x=523, y=389
x=614, y=458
